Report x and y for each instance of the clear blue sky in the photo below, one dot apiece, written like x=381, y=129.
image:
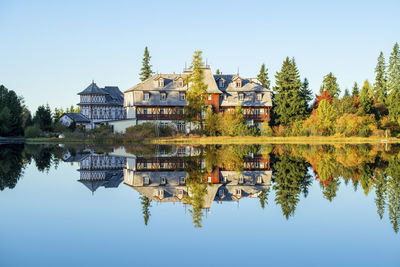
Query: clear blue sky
x=51, y=50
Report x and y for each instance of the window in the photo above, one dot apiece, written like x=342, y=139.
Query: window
x=257, y=164
x=162, y=111
x=161, y=82
x=181, y=126
x=163, y=96
x=182, y=96
x=145, y=165
x=163, y=125
x=181, y=180
x=259, y=97
x=221, y=193
x=223, y=180
x=180, y=83
x=162, y=165
x=239, y=83
x=179, y=194
x=146, y=96
x=181, y=165
x=259, y=180
x=163, y=180
x=238, y=192
x=209, y=180
x=209, y=97
x=241, y=96
x=241, y=180
x=181, y=151
x=146, y=180
x=181, y=111
x=225, y=97
x=257, y=111
x=221, y=83
x=203, y=114
x=160, y=193
x=145, y=111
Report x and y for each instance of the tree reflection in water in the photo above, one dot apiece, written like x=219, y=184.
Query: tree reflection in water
x=369, y=167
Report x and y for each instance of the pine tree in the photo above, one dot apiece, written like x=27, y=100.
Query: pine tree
x=365, y=98
x=356, y=90
x=263, y=76
x=288, y=103
x=346, y=92
x=393, y=84
x=330, y=85
x=146, y=71
x=218, y=72
x=380, y=89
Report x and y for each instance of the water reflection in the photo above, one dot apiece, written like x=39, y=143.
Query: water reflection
x=198, y=176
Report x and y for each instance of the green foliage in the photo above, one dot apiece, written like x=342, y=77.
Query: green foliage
x=11, y=165
x=289, y=103
x=211, y=122
x=356, y=90
x=365, y=98
x=330, y=85
x=148, y=130
x=11, y=112
x=218, y=72
x=43, y=118
x=233, y=123
x=195, y=96
x=380, y=88
x=146, y=204
x=325, y=117
x=393, y=84
x=33, y=131
x=344, y=105
x=263, y=76
x=146, y=71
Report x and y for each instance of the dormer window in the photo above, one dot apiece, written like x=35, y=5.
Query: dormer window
x=238, y=192
x=221, y=83
x=146, y=96
x=225, y=97
x=259, y=96
x=241, y=180
x=163, y=180
x=241, y=96
x=208, y=97
x=259, y=180
x=182, y=95
x=238, y=83
x=163, y=96
x=160, y=82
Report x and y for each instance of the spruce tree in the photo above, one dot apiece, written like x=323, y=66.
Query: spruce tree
x=263, y=76
x=218, y=72
x=346, y=92
x=330, y=85
x=356, y=90
x=305, y=93
x=365, y=98
x=288, y=103
x=146, y=71
x=380, y=89
x=393, y=84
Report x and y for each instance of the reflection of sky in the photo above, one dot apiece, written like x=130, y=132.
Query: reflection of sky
x=53, y=220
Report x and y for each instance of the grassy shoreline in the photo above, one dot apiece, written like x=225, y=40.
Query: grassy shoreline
x=220, y=140
x=275, y=140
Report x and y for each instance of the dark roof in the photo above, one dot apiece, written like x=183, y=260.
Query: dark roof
x=112, y=94
x=76, y=117
x=93, y=89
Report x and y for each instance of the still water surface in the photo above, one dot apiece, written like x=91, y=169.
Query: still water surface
x=282, y=205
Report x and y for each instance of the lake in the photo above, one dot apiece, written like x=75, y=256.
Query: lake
x=238, y=205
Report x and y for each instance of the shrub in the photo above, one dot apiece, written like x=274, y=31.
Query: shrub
x=32, y=131
x=364, y=131
x=141, y=131
x=281, y=130
x=266, y=129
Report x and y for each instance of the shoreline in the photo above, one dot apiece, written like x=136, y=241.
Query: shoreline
x=211, y=140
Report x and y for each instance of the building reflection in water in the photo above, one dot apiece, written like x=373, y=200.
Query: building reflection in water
x=98, y=170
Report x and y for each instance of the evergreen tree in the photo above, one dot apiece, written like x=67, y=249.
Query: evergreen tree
x=346, y=92
x=263, y=76
x=380, y=89
x=356, y=90
x=288, y=103
x=393, y=84
x=365, y=98
x=218, y=72
x=330, y=85
x=11, y=112
x=305, y=93
x=43, y=118
x=146, y=204
x=197, y=91
x=146, y=71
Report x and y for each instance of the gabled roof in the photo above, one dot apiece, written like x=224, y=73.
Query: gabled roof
x=77, y=117
x=112, y=94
